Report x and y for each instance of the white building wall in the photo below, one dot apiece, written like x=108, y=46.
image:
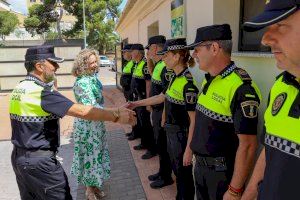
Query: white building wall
x=198, y=13
x=162, y=15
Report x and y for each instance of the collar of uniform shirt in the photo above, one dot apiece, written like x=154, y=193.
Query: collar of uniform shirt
x=228, y=69
x=182, y=72
x=290, y=79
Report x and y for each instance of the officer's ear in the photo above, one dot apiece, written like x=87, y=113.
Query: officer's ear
x=39, y=67
x=215, y=48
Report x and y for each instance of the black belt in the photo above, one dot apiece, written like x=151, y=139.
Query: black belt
x=175, y=127
x=211, y=161
x=35, y=152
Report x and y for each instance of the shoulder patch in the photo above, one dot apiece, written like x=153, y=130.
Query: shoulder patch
x=243, y=74
x=168, y=75
x=146, y=70
x=250, y=108
x=191, y=97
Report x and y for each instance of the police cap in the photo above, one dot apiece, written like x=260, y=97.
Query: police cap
x=275, y=11
x=211, y=33
x=158, y=39
x=43, y=52
x=137, y=46
x=173, y=44
x=127, y=47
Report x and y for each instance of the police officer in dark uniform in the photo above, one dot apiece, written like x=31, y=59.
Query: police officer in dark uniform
x=140, y=86
x=127, y=71
x=125, y=80
x=179, y=99
x=276, y=174
x=35, y=109
x=224, y=140
x=159, y=81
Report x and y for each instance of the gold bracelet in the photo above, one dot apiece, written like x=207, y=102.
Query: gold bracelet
x=116, y=115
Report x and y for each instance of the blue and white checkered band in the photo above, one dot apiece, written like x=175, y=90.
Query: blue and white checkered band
x=175, y=101
x=283, y=145
x=228, y=71
x=33, y=118
x=213, y=115
x=32, y=78
x=175, y=47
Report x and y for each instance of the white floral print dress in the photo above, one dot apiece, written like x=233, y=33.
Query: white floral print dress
x=91, y=161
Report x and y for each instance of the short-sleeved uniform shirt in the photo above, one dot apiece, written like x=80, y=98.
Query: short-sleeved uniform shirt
x=138, y=83
x=281, y=139
x=126, y=76
x=33, y=132
x=157, y=87
x=181, y=97
x=215, y=134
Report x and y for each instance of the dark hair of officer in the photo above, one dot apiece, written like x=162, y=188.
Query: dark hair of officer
x=30, y=65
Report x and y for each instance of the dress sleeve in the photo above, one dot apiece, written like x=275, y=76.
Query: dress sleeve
x=84, y=91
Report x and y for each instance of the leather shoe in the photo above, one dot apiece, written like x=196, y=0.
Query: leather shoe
x=159, y=183
x=132, y=137
x=148, y=155
x=154, y=177
x=139, y=147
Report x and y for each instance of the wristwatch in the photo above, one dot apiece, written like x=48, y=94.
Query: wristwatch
x=116, y=114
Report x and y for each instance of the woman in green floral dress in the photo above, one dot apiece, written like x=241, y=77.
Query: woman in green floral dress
x=91, y=162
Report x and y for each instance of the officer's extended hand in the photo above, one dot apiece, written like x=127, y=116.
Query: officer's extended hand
x=187, y=157
x=131, y=105
x=126, y=116
x=228, y=196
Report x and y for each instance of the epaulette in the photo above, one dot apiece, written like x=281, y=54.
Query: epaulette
x=281, y=74
x=243, y=74
x=188, y=76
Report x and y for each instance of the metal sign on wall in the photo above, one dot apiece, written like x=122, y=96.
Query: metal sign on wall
x=178, y=20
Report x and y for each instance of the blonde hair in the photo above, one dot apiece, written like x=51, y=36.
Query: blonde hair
x=80, y=65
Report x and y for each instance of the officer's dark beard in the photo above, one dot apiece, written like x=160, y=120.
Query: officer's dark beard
x=48, y=77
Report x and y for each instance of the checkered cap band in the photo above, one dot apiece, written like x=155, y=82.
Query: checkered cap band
x=283, y=145
x=175, y=47
x=33, y=118
x=176, y=101
x=214, y=115
x=156, y=82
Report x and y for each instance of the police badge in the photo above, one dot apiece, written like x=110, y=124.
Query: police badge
x=278, y=102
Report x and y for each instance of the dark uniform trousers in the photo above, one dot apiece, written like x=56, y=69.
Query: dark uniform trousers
x=39, y=175
x=127, y=94
x=160, y=137
x=146, y=131
x=143, y=127
x=212, y=177
x=176, y=144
